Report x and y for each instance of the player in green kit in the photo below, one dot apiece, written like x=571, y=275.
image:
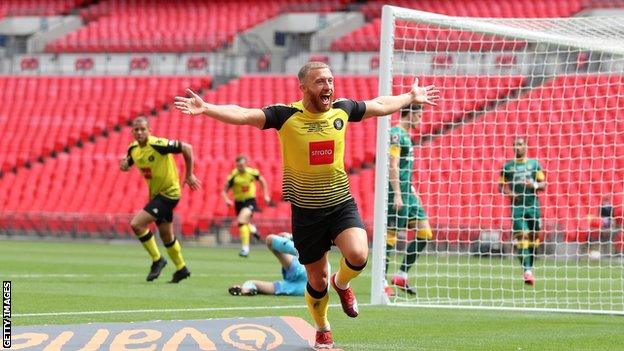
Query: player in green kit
x=405, y=211
x=521, y=179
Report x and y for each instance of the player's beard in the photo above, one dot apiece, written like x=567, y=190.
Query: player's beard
x=319, y=105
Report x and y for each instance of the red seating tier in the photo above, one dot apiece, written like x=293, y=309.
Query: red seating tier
x=575, y=134
x=483, y=8
x=37, y=7
x=173, y=26
x=42, y=115
x=423, y=38
x=419, y=37
x=573, y=129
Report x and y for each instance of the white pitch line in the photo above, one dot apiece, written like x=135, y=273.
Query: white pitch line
x=165, y=310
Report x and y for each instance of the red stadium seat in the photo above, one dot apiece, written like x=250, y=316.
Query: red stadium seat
x=172, y=26
x=454, y=200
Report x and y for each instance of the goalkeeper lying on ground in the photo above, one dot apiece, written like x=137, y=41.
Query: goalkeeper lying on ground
x=293, y=273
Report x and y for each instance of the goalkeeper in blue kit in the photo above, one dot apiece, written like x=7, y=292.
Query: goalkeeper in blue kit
x=294, y=278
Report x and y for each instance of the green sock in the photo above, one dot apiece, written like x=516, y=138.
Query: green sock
x=413, y=249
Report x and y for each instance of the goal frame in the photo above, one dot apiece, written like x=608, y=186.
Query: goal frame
x=390, y=14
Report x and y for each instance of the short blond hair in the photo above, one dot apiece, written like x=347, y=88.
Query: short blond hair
x=303, y=72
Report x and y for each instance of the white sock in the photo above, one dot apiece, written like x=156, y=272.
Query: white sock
x=324, y=329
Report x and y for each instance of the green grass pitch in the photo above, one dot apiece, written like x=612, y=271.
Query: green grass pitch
x=67, y=282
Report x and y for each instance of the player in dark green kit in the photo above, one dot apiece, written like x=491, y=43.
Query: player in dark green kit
x=521, y=179
x=405, y=211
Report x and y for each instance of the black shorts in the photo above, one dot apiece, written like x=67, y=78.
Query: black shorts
x=161, y=207
x=314, y=230
x=250, y=203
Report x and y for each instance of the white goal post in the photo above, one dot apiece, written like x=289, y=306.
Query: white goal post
x=554, y=85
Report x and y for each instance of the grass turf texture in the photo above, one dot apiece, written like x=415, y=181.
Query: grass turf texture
x=56, y=279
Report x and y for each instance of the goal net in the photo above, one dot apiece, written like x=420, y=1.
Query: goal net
x=506, y=232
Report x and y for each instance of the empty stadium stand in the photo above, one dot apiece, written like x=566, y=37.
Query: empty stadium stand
x=91, y=171
x=173, y=26
x=483, y=8
x=47, y=114
x=423, y=38
x=61, y=141
x=38, y=7
x=574, y=133
x=412, y=37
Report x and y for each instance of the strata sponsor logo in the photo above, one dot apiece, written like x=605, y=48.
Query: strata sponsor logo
x=321, y=152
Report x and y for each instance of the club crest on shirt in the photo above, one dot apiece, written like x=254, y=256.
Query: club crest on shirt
x=151, y=158
x=338, y=124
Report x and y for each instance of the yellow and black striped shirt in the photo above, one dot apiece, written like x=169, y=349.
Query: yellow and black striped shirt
x=243, y=185
x=313, y=151
x=157, y=166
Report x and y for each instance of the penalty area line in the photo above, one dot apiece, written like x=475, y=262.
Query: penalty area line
x=164, y=310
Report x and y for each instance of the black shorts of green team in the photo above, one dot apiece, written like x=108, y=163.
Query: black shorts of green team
x=314, y=230
x=249, y=203
x=161, y=207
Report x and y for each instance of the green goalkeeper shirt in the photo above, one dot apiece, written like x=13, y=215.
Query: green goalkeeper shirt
x=516, y=173
x=401, y=146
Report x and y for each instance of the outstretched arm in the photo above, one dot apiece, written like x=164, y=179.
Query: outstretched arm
x=386, y=105
x=190, y=179
x=230, y=114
